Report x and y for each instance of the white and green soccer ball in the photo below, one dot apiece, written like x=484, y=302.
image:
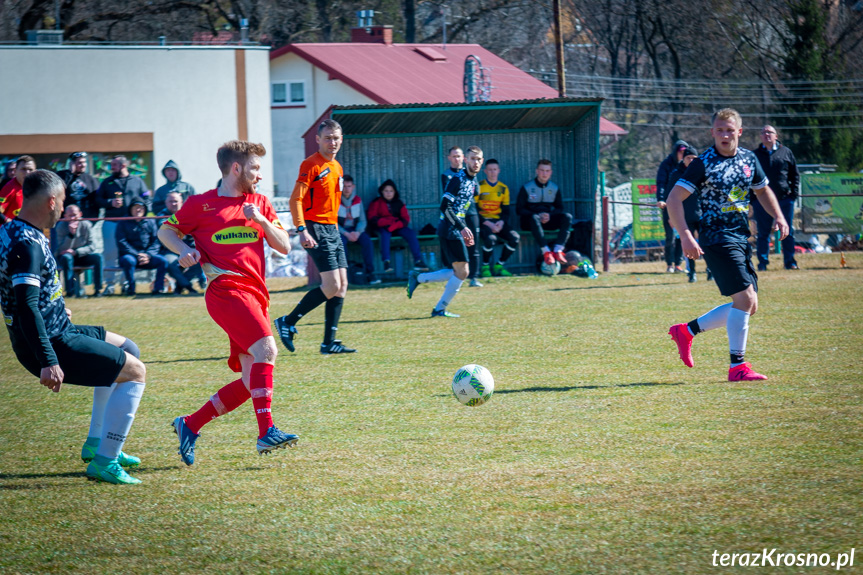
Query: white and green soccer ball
x=472, y=385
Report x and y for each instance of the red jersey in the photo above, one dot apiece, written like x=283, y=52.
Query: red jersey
x=11, y=198
x=321, y=201
x=231, y=247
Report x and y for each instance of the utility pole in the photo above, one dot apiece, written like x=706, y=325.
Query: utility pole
x=410, y=21
x=558, y=45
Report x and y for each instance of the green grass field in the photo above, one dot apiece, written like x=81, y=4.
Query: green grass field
x=599, y=452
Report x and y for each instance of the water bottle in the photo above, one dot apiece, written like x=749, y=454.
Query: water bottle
x=432, y=261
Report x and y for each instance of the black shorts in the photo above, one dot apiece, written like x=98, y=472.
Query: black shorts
x=452, y=249
x=730, y=261
x=83, y=354
x=329, y=255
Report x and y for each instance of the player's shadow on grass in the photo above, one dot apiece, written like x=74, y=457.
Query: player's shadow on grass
x=616, y=287
x=189, y=359
x=71, y=474
x=575, y=387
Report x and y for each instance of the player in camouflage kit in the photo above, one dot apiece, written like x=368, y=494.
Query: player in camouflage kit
x=454, y=233
x=53, y=349
x=721, y=178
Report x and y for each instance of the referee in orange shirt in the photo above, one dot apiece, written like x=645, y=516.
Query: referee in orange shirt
x=315, y=207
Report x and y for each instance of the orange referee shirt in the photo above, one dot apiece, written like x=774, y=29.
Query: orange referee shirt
x=319, y=193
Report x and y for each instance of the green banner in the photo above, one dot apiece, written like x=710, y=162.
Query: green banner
x=842, y=212
x=646, y=220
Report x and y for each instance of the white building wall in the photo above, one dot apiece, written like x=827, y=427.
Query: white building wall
x=185, y=96
x=291, y=122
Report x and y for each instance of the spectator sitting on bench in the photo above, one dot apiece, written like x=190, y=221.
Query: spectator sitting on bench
x=138, y=247
x=75, y=249
x=389, y=215
x=352, y=227
x=183, y=278
x=540, y=206
x=493, y=206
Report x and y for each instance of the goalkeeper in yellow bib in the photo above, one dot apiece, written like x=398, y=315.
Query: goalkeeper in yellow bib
x=492, y=202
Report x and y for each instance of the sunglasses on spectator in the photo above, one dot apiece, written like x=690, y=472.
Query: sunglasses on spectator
x=76, y=155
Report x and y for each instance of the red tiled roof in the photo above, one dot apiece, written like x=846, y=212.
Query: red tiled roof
x=403, y=74
x=421, y=73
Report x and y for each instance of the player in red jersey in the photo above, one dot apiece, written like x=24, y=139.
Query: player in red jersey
x=12, y=194
x=229, y=225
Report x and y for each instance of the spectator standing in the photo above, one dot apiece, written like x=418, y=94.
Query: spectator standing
x=673, y=252
x=493, y=206
x=173, y=203
x=12, y=194
x=116, y=194
x=81, y=187
x=691, y=207
x=540, y=206
x=75, y=248
x=781, y=168
x=352, y=227
x=138, y=247
x=8, y=173
x=388, y=215
x=171, y=171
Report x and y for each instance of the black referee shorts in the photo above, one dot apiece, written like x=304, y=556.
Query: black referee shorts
x=730, y=261
x=329, y=255
x=83, y=354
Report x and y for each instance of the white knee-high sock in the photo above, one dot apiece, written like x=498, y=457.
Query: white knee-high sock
x=717, y=317
x=119, y=414
x=441, y=275
x=100, y=400
x=738, y=331
x=452, y=287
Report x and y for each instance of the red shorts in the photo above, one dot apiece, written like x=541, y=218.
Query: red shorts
x=242, y=313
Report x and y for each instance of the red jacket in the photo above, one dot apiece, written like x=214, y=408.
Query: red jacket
x=381, y=215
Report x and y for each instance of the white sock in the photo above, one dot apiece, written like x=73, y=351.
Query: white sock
x=100, y=399
x=717, y=317
x=441, y=275
x=452, y=287
x=119, y=414
x=738, y=330
x=558, y=248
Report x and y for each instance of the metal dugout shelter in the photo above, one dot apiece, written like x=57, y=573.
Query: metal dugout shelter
x=409, y=144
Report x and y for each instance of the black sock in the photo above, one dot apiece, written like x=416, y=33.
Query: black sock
x=736, y=358
x=486, y=256
x=691, y=266
x=309, y=302
x=693, y=327
x=506, y=253
x=331, y=321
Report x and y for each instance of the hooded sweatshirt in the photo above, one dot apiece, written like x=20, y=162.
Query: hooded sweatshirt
x=135, y=237
x=177, y=185
x=665, y=169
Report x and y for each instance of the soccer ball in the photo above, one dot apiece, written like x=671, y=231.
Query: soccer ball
x=472, y=385
x=549, y=270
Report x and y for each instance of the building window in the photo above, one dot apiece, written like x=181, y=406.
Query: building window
x=298, y=93
x=289, y=93
x=280, y=94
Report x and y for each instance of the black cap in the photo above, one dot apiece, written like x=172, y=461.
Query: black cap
x=76, y=155
x=690, y=151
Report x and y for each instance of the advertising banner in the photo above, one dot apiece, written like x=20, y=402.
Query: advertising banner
x=842, y=212
x=646, y=220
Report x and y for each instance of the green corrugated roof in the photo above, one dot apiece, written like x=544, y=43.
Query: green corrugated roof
x=559, y=113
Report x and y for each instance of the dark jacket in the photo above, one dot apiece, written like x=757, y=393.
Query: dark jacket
x=781, y=170
x=185, y=189
x=665, y=168
x=691, y=205
x=81, y=190
x=135, y=237
x=525, y=207
x=129, y=188
x=391, y=215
